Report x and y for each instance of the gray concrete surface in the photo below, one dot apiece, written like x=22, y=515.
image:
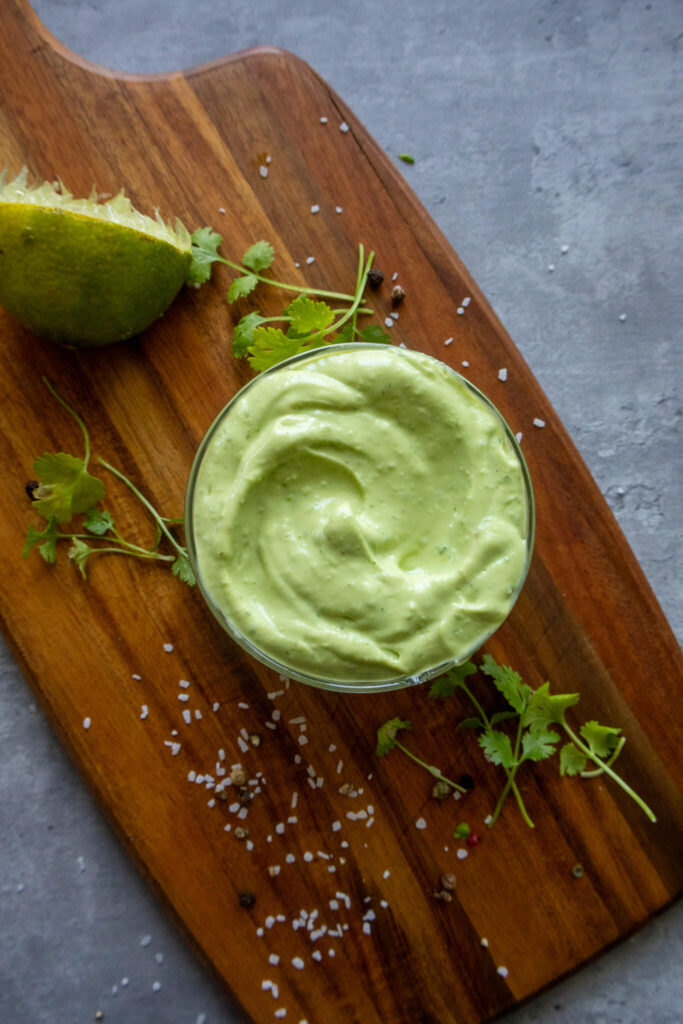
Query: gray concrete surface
x=534, y=125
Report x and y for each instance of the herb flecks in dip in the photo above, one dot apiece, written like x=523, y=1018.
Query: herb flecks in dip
x=360, y=515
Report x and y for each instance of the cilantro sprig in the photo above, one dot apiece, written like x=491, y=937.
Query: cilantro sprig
x=533, y=739
x=306, y=323
x=66, y=489
x=387, y=739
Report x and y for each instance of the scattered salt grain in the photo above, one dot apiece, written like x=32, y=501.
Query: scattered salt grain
x=383, y=904
x=280, y=828
x=270, y=725
x=266, y=985
x=338, y=209
x=461, y=854
x=201, y=1018
x=539, y=423
x=503, y=374
x=298, y=963
x=168, y=648
x=622, y=317
x=551, y=267
x=564, y=249
x=243, y=705
x=136, y=676
x=330, y=952
x=159, y=957
x=263, y=171
x=274, y=959
x=303, y=740
x=448, y=341
x=292, y=819
x=315, y=208
x=503, y=971
x=388, y=322
x=183, y=696
x=244, y=747
x=394, y=275
x=187, y=715
x=215, y=706
x=269, y=921
x=310, y=259
x=386, y=874
x=466, y=301
x=460, y=310
x=86, y=723
x=485, y=943
x=316, y=955
x=184, y=683
x=518, y=437
x=343, y=127
x=367, y=928
x=323, y=120
x=336, y=826
x=156, y=986
x=145, y=940
x=290, y=858
x=144, y=711
x=221, y=754
x=394, y=315
x=420, y=823
x=369, y=822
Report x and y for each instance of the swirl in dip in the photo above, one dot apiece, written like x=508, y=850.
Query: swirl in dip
x=360, y=515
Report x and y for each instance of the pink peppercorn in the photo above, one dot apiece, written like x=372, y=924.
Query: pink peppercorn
x=473, y=839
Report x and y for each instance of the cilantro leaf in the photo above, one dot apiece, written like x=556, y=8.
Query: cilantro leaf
x=572, y=760
x=544, y=708
x=271, y=346
x=45, y=539
x=601, y=739
x=183, y=570
x=462, y=831
x=308, y=315
x=98, y=521
x=78, y=554
x=258, y=256
x=470, y=723
x=374, y=334
x=204, y=252
x=507, y=682
x=243, y=337
x=242, y=286
x=386, y=734
x=446, y=685
x=497, y=748
x=536, y=746
x=66, y=488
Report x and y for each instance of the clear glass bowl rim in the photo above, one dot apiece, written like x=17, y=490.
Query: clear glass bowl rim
x=346, y=685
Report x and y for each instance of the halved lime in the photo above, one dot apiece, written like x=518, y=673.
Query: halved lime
x=83, y=272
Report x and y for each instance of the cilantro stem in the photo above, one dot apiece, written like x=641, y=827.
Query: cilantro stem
x=605, y=767
x=612, y=758
x=508, y=771
x=352, y=311
x=244, y=271
x=149, y=555
x=72, y=412
x=430, y=768
x=511, y=778
x=150, y=508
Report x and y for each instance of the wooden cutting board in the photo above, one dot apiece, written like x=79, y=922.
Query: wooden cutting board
x=192, y=143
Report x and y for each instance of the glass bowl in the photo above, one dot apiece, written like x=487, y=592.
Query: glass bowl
x=346, y=685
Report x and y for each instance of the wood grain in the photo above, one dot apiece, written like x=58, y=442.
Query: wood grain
x=192, y=143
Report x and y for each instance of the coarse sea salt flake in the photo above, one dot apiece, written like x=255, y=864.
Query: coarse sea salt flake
x=503, y=374
x=136, y=676
x=310, y=259
x=184, y=683
x=274, y=959
x=460, y=310
x=538, y=422
x=343, y=127
x=315, y=208
x=86, y=723
x=144, y=711
x=448, y=341
x=386, y=874
x=462, y=854
x=466, y=301
x=338, y=209
x=420, y=823
x=336, y=826
x=263, y=171
x=503, y=971
x=187, y=715
x=298, y=963
x=168, y=648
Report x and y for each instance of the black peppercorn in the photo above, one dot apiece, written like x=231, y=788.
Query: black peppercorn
x=246, y=899
x=31, y=487
x=466, y=781
x=375, y=278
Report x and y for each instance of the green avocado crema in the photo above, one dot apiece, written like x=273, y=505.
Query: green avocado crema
x=360, y=515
